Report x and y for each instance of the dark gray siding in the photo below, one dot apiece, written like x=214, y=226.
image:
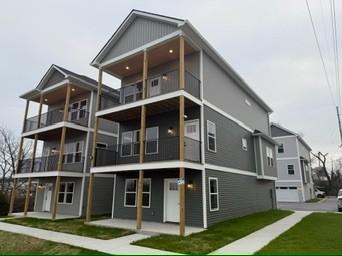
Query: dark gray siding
x=239, y=195
x=277, y=132
x=229, y=152
x=140, y=32
x=193, y=198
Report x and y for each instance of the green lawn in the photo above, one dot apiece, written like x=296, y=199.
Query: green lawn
x=72, y=226
x=316, y=233
x=11, y=243
x=215, y=236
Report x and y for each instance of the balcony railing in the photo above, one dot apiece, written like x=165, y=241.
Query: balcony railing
x=71, y=163
x=163, y=149
x=77, y=116
x=166, y=82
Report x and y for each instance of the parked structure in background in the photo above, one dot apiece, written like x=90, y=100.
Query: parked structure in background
x=61, y=169
x=294, y=182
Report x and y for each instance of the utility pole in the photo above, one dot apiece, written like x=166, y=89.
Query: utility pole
x=339, y=123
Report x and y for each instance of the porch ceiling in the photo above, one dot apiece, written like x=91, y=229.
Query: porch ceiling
x=156, y=56
x=55, y=134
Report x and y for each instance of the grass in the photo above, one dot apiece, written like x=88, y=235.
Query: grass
x=15, y=244
x=314, y=200
x=316, y=233
x=215, y=236
x=71, y=226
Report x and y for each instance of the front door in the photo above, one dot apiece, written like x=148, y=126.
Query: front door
x=154, y=87
x=171, y=200
x=47, y=198
x=192, y=145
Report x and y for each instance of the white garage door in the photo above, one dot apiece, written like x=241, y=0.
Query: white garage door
x=287, y=194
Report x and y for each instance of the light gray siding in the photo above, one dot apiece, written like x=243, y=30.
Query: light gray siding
x=140, y=32
x=269, y=170
x=229, y=152
x=283, y=172
x=223, y=92
x=193, y=198
x=239, y=195
x=277, y=132
x=303, y=151
x=55, y=78
x=290, y=147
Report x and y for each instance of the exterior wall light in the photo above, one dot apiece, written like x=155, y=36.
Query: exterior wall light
x=190, y=185
x=170, y=131
x=171, y=51
x=127, y=67
x=46, y=100
x=164, y=77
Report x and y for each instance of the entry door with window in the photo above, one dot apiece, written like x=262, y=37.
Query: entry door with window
x=192, y=137
x=154, y=87
x=171, y=200
x=47, y=198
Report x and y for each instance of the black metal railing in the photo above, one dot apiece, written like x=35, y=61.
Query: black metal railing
x=77, y=116
x=168, y=82
x=71, y=162
x=163, y=149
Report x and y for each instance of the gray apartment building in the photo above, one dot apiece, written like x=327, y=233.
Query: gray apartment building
x=192, y=144
x=294, y=183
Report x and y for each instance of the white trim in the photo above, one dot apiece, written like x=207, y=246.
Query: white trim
x=217, y=193
x=135, y=51
x=166, y=180
x=288, y=181
x=65, y=192
x=293, y=169
x=266, y=177
x=284, y=137
x=35, y=197
x=48, y=174
x=148, y=101
x=146, y=166
x=261, y=158
x=300, y=170
x=230, y=170
x=81, y=197
x=220, y=111
x=215, y=137
x=149, y=193
x=201, y=75
x=131, y=192
x=113, y=201
x=204, y=199
x=287, y=158
x=55, y=86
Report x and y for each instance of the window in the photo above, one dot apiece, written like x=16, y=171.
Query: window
x=66, y=192
x=269, y=154
x=126, y=143
x=131, y=193
x=78, y=110
x=101, y=145
x=211, y=136
x=213, y=194
x=281, y=148
x=73, y=152
x=290, y=169
x=136, y=139
x=244, y=144
x=152, y=135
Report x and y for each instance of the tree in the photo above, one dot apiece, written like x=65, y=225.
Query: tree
x=9, y=148
x=322, y=158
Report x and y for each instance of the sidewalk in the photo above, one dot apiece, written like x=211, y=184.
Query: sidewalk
x=257, y=240
x=119, y=245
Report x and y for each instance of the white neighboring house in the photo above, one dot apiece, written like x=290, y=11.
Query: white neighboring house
x=294, y=182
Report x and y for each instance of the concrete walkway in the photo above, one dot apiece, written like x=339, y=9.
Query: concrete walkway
x=257, y=240
x=119, y=245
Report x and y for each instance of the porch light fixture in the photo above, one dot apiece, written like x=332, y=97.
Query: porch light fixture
x=170, y=131
x=190, y=185
x=127, y=68
x=164, y=76
x=185, y=116
x=171, y=51
x=46, y=100
x=73, y=89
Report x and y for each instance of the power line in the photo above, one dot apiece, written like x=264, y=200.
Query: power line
x=320, y=52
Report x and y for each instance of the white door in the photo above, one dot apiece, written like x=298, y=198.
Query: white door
x=154, y=87
x=192, y=135
x=287, y=194
x=47, y=198
x=171, y=200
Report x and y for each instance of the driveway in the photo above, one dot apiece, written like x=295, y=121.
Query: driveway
x=328, y=204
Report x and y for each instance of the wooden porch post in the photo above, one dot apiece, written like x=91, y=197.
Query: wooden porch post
x=20, y=152
x=61, y=153
x=142, y=143
x=93, y=154
x=181, y=139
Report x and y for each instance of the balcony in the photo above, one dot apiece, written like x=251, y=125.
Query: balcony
x=164, y=83
x=71, y=163
x=163, y=149
x=77, y=116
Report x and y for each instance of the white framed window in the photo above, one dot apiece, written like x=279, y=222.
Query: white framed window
x=244, y=144
x=152, y=137
x=136, y=142
x=211, y=136
x=78, y=109
x=213, y=194
x=131, y=189
x=290, y=169
x=66, y=192
x=280, y=148
x=73, y=152
x=132, y=92
x=269, y=154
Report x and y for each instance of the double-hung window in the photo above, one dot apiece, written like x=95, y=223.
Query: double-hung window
x=269, y=154
x=131, y=188
x=78, y=110
x=281, y=148
x=211, y=136
x=73, y=152
x=290, y=169
x=130, y=143
x=66, y=192
x=152, y=136
x=213, y=194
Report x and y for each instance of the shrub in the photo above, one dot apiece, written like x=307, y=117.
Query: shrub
x=4, y=205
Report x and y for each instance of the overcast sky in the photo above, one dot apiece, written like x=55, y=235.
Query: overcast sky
x=269, y=43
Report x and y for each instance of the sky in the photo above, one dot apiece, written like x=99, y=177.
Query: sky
x=270, y=43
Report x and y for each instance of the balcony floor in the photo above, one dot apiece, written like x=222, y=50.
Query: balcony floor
x=147, y=226
x=43, y=215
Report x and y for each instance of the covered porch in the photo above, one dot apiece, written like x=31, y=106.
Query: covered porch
x=149, y=227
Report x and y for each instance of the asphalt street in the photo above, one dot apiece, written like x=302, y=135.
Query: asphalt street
x=328, y=204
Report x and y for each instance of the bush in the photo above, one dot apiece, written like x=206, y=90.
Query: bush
x=4, y=205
